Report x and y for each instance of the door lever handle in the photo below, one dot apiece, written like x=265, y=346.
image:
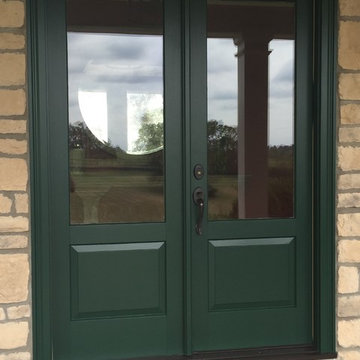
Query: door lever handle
x=198, y=197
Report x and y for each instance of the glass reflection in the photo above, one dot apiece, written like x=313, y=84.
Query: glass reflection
x=222, y=129
x=250, y=110
x=115, y=78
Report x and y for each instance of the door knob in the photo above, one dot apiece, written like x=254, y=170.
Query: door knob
x=198, y=198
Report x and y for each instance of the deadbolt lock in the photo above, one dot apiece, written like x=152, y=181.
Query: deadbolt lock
x=198, y=171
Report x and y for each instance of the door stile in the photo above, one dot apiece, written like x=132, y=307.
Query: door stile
x=187, y=201
x=59, y=202
x=198, y=144
x=173, y=172
x=304, y=154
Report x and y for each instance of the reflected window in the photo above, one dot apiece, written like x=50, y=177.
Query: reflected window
x=94, y=111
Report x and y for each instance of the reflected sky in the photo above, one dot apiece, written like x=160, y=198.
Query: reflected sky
x=124, y=68
x=119, y=65
x=281, y=92
x=222, y=87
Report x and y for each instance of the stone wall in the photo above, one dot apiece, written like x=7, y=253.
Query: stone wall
x=15, y=324
x=348, y=309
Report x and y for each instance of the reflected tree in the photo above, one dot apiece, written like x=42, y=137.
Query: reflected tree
x=77, y=133
x=222, y=148
x=80, y=137
x=151, y=132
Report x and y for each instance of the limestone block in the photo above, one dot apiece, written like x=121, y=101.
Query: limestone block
x=349, y=158
x=349, y=45
x=5, y=204
x=12, y=14
x=13, y=102
x=349, y=251
x=349, y=86
x=349, y=306
x=350, y=8
x=18, y=312
x=13, y=174
x=348, y=280
x=349, y=333
x=347, y=355
x=348, y=224
x=2, y=314
x=14, y=224
x=13, y=242
x=16, y=356
x=22, y=203
x=12, y=69
x=349, y=134
x=350, y=114
x=12, y=146
x=349, y=200
x=12, y=126
x=14, y=270
x=13, y=335
x=10, y=41
x=349, y=181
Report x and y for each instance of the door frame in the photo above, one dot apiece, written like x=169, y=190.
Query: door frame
x=324, y=179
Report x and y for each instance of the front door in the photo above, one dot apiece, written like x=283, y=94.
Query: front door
x=181, y=176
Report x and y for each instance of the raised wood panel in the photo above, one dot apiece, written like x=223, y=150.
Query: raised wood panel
x=117, y=280
x=250, y=273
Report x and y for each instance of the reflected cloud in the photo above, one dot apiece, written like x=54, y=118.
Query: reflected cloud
x=223, y=95
x=286, y=73
x=282, y=84
x=134, y=74
x=282, y=90
x=217, y=62
x=117, y=49
x=114, y=65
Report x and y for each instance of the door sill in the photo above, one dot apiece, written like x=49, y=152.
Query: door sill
x=270, y=353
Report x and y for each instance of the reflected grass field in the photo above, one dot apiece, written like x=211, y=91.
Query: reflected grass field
x=112, y=196
x=223, y=194
x=223, y=197
x=128, y=196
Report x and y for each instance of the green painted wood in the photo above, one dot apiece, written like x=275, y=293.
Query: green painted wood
x=251, y=273
x=83, y=327
x=178, y=331
x=174, y=178
x=39, y=185
x=251, y=228
x=105, y=233
x=200, y=324
x=116, y=280
x=325, y=70
x=186, y=163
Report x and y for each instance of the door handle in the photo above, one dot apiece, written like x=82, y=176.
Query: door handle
x=198, y=198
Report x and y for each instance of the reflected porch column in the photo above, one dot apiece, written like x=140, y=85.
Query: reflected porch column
x=252, y=58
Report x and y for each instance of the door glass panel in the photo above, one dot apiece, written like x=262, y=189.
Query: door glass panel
x=116, y=121
x=251, y=65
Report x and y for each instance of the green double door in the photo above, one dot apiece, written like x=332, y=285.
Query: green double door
x=181, y=176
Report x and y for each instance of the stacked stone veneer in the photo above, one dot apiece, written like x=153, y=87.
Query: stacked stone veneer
x=348, y=206
x=15, y=341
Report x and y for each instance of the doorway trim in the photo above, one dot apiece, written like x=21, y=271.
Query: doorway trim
x=324, y=180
